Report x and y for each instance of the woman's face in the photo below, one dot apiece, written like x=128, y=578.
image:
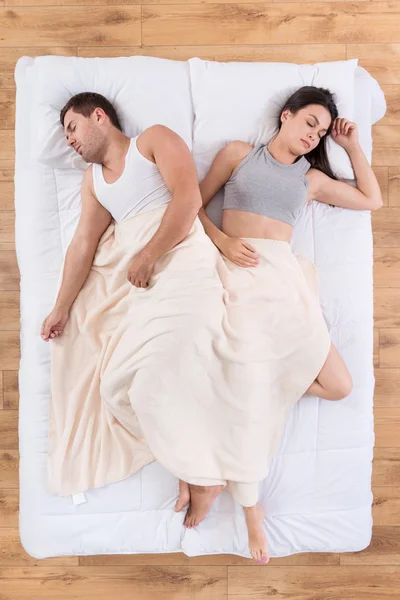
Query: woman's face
x=304, y=130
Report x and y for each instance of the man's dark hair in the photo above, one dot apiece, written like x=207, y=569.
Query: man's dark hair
x=86, y=102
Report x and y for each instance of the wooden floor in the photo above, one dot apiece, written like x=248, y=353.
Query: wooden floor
x=298, y=31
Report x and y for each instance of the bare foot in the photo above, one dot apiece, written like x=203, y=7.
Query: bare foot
x=201, y=499
x=184, y=496
x=257, y=540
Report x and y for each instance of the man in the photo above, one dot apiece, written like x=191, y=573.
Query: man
x=93, y=130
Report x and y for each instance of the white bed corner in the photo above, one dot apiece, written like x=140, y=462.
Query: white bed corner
x=318, y=493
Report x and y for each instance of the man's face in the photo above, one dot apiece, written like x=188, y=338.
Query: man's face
x=85, y=135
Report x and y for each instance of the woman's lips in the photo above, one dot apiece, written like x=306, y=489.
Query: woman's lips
x=307, y=145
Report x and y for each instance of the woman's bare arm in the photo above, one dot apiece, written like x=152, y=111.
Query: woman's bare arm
x=367, y=194
x=221, y=170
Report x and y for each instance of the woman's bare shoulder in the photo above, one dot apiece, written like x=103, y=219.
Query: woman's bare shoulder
x=236, y=151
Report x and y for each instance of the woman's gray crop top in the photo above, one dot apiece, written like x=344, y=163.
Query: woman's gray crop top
x=260, y=184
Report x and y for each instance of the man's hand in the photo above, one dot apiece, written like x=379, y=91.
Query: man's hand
x=53, y=325
x=141, y=269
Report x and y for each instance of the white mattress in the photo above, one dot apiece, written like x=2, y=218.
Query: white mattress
x=317, y=496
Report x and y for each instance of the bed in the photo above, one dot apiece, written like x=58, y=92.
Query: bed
x=317, y=496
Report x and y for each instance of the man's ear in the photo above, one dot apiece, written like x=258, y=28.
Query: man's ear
x=99, y=114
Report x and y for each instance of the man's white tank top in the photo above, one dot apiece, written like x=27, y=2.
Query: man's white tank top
x=139, y=189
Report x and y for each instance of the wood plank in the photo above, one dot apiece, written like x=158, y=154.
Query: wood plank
x=302, y=53
x=6, y=176
x=281, y=583
x=383, y=550
x=7, y=226
x=386, y=307
x=7, y=148
x=8, y=163
x=9, y=272
x=117, y=2
x=386, y=506
x=382, y=175
x=392, y=95
x=13, y=555
x=267, y=23
x=7, y=81
x=387, y=422
x=1, y=391
x=381, y=60
x=10, y=390
x=9, y=507
x=389, y=348
x=9, y=310
x=386, y=227
x=387, y=267
x=8, y=429
x=394, y=186
x=9, y=246
x=7, y=109
x=308, y=1
x=6, y=192
x=9, y=353
x=386, y=467
x=306, y=559
x=134, y=2
x=61, y=26
x=387, y=388
x=9, y=464
x=376, y=347
x=124, y=583
x=386, y=145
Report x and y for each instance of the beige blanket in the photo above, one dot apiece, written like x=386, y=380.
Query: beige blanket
x=197, y=371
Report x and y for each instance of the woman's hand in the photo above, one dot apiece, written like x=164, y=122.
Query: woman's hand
x=141, y=269
x=53, y=325
x=239, y=252
x=345, y=133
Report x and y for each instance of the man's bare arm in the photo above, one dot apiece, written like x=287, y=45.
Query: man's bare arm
x=94, y=220
x=176, y=165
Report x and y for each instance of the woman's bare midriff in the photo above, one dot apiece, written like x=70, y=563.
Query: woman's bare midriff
x=239, y=223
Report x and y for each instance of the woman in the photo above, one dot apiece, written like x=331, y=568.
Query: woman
x=266, y=188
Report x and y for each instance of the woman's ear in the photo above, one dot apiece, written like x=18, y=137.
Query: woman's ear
x=285, y=115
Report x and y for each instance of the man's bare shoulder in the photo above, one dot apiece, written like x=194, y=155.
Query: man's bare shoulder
x=87, y=179
x=155, y=135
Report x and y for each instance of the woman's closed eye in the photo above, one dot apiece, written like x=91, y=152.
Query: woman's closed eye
x=311, y=125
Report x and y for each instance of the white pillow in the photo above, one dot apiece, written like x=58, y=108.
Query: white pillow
x=240, y=100
x=144, y=91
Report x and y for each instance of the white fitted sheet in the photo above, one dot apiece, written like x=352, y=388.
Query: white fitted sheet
x=317, y=496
